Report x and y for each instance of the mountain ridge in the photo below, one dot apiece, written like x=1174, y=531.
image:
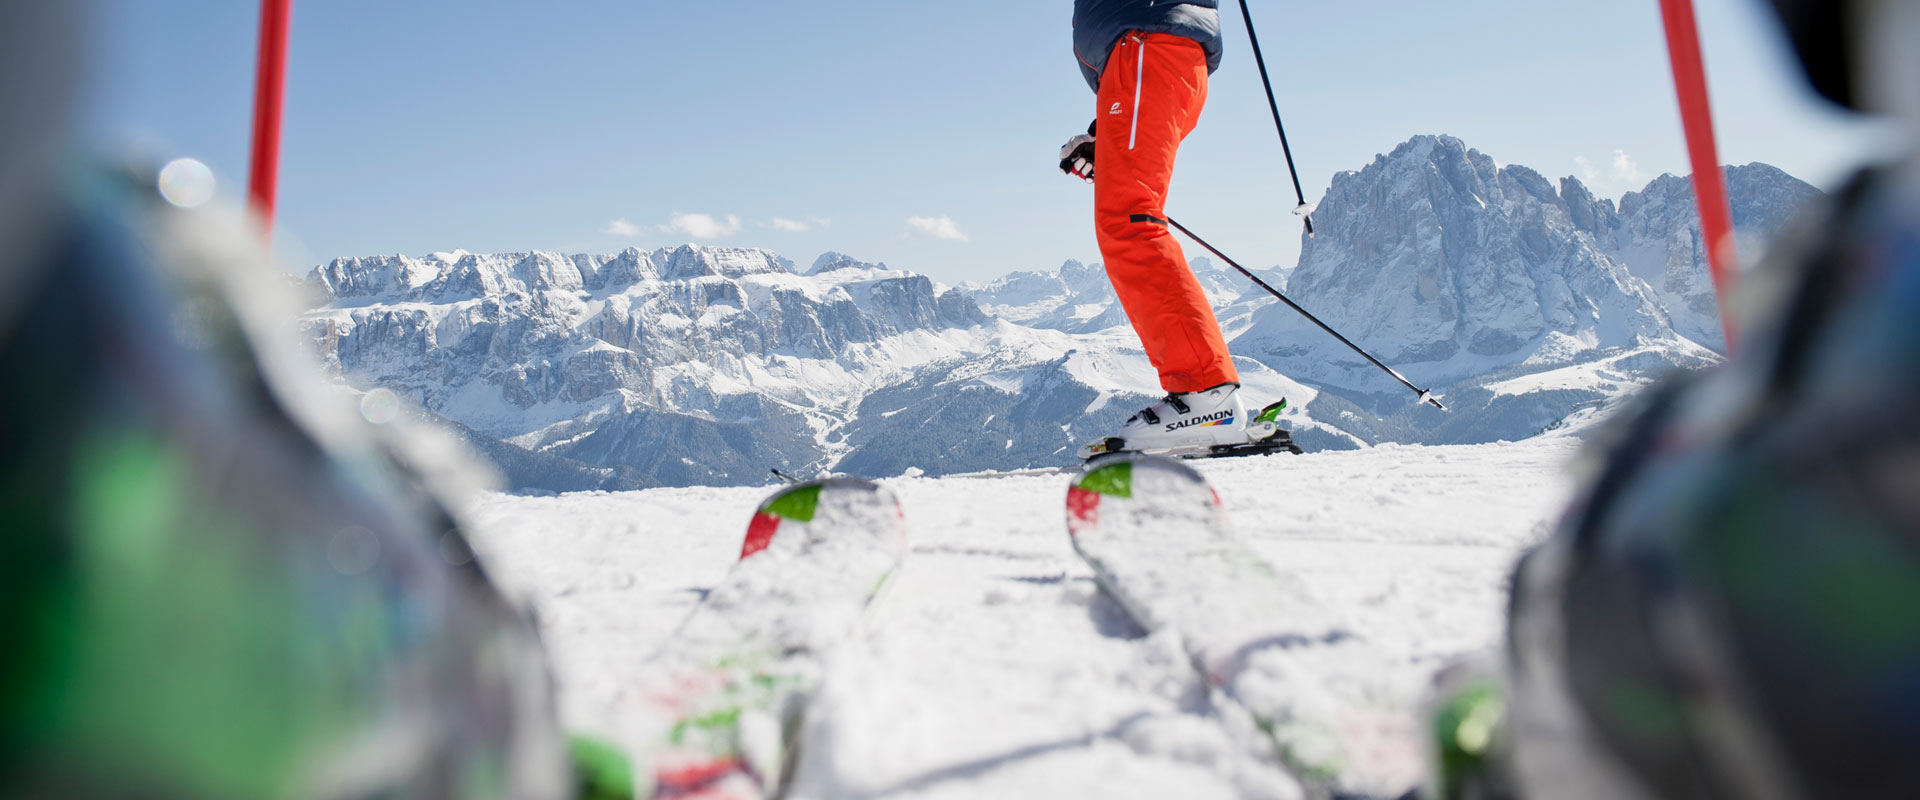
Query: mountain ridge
x=1527, y=303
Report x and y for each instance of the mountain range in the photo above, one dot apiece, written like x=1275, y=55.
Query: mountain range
x=1526, y=304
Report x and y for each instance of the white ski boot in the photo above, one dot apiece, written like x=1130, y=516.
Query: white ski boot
x=1193, y=423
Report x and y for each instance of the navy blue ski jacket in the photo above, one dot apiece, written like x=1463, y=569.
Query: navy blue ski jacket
x=1098, y=24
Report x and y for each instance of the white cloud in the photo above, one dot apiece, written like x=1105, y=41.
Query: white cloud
x=790, y=226
x=1624, y=170
x=623, y=228
x=936, y=228
x=703, y=226
x=1586, y=169
x=822, y=222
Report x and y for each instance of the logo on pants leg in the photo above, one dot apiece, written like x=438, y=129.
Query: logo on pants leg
x=1114, y=110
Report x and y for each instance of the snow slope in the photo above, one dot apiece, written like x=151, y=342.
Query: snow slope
x=995, y=668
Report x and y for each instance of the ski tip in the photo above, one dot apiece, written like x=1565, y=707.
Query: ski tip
x=1140, y=482
x=1112, y=477
x=804, y=502
x=1111, y=474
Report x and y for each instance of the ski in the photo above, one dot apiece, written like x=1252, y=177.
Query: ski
x=724, y=700
x=1159, y=542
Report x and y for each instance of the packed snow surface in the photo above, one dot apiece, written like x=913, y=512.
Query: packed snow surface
x=994, y=667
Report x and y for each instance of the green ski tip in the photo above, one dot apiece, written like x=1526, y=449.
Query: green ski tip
x=1113, y=480
x=798, y=504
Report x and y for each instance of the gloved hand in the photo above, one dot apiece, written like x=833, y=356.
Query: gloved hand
x=1076, y=156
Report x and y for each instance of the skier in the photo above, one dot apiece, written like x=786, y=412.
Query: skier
x=1148, y=63
x=1732, y=606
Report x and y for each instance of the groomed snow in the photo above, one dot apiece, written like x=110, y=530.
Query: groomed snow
x=994, y=667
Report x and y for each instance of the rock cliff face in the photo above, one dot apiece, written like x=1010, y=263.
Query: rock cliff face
x=1525, y=302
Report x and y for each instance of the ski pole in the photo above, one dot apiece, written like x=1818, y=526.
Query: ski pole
x=1305, y=211
x=268, y=103
x=1425, y=396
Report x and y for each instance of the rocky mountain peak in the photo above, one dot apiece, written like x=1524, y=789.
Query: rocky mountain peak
x=694, y=261
x=831, y=261
x=1657, y=236
x=1434, y=254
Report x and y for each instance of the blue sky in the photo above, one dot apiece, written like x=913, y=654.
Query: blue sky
x=922, y=134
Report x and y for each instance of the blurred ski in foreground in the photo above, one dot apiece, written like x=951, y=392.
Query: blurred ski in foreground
x=725, y=701
x=1159, y=542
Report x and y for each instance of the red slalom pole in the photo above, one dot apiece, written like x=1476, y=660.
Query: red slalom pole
x=1709, y=184
x=268, y=99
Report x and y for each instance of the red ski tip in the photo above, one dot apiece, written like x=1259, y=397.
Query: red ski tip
x=759, y=533
x=1083, y=508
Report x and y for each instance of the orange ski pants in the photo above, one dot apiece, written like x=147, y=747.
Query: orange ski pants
x=1150, y=98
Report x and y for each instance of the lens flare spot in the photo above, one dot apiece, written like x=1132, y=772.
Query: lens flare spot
x=1476, y=731
x=187, y=183
x=454, y=549
x=353, y=551
x=380, y=406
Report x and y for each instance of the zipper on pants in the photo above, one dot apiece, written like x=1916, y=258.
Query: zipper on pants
x=1139, y=77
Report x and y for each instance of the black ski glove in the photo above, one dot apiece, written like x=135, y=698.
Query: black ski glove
x=1076, y=156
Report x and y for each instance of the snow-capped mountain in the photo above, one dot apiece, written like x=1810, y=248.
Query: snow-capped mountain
x=639, y=359
x=1522, y=302
x=1655, y=233
x=1525, y=304
x=699, y=365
